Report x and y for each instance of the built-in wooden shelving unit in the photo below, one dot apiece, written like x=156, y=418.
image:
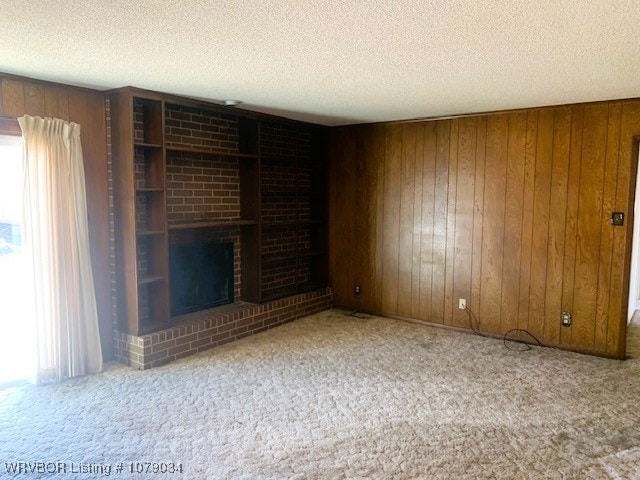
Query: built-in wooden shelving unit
x=260, y=176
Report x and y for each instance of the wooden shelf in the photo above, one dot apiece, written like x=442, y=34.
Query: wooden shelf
x=149, y=233
x=286, y=223
x=149, y=190
x=139, y=174
x=280, y=223
x=273, y=258
x=214, y=153
x=147, y=279
x=190, y=224
x=147, y=145
x=286, y=291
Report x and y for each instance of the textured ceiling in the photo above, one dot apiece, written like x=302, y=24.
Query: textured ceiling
x=334, y=61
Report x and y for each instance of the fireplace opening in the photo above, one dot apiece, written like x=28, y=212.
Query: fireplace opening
x=201, y=276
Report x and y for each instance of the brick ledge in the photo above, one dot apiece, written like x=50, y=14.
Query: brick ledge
x=199, y=331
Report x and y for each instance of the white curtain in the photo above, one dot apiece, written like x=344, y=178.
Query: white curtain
x=57, y=236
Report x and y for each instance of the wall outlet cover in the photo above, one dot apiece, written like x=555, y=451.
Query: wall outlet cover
x=617, y=219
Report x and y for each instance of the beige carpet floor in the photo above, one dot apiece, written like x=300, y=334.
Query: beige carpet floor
x=333, y=397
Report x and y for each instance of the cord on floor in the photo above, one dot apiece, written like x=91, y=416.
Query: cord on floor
x=505, y=338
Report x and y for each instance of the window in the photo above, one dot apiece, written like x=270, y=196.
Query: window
x=16, y=302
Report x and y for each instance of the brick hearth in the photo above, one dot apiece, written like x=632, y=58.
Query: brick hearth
x=195, y=332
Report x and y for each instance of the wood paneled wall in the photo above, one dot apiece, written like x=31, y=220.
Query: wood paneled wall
x=20, y=96
x=510, y=211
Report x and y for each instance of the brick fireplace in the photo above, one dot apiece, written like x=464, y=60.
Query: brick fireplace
x=203, y=200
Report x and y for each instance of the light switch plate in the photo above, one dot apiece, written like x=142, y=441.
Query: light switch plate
x=617, y=219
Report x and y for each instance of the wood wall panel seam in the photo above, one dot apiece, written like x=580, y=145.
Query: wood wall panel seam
x=452, y=182
x=602, y=211
x=608, y=200
x=504, y=224
x=566, y=335
x=611, y=326
x=417, y=226
x=379, y=216
x=427, y=227
x=478, y=209
x=407, y=191
x=528, y=207
x=549, y=184
x=591, y=198
x=560, y=165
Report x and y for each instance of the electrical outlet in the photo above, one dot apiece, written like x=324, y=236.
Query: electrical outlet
x=462, y=304
x=565, y=319
x=356, y=288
